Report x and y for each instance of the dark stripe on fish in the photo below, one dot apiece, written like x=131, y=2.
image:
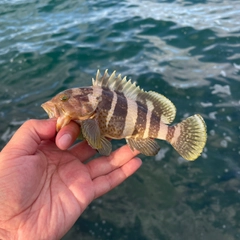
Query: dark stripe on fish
x=80, y=94
x=143, y=97
x=154, y=125
x=104, y=107
x=141, y=121
x=117, y=121
x=80, y=98
x=107, y=97
x=170, y=133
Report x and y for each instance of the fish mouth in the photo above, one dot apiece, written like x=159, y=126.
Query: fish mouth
x=51, y=109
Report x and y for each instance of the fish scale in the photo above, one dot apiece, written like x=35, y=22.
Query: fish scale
x=114, y=107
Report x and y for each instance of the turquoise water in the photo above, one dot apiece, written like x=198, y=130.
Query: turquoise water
x=186, y=50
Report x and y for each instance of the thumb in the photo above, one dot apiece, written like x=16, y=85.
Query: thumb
x=29, y=136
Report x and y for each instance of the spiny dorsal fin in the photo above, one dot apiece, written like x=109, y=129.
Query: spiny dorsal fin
x=162, y=105
x=117, y=84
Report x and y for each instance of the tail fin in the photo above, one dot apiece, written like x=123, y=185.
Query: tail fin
x=191, y=137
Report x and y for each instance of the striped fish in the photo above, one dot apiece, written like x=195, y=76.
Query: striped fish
x=116, y=108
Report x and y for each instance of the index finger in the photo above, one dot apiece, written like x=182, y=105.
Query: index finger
x=27, y=138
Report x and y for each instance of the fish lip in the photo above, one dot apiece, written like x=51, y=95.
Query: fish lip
x=50, y=109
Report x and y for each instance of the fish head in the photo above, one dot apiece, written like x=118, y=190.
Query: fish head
x=71, y=104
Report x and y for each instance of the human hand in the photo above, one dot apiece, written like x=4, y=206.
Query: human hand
x=43, y=190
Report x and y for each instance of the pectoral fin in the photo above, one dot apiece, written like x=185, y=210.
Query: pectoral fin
x=106, y=147
x=148, y=146
x=80, y=136
x=91, y=132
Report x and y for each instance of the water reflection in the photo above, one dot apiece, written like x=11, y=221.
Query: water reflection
x=187, y=50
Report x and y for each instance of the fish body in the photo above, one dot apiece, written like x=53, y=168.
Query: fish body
x=116, y=108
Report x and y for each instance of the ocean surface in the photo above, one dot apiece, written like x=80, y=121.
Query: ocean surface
x=187, y=50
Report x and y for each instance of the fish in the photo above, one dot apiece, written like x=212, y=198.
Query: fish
x=115, y=108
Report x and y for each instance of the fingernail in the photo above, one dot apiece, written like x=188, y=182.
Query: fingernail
x=65, y=141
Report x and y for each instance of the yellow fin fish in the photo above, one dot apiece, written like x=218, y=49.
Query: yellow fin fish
x=116, y=108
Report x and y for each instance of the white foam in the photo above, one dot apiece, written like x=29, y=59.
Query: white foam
x=208, y=104
x=161, y=154
x=221, y=89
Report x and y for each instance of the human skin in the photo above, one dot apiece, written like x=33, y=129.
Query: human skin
x=45, y=184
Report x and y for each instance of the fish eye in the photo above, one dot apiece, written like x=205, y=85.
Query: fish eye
x=64, y=98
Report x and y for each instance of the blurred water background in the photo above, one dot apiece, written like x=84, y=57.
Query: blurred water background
x=187, y=50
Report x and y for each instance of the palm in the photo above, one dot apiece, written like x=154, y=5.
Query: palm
x=51, y=188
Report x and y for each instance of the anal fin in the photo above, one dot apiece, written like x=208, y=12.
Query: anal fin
x=148, y=146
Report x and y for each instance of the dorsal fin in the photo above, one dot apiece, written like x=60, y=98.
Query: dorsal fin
x=162, y=105
x=117, y=84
